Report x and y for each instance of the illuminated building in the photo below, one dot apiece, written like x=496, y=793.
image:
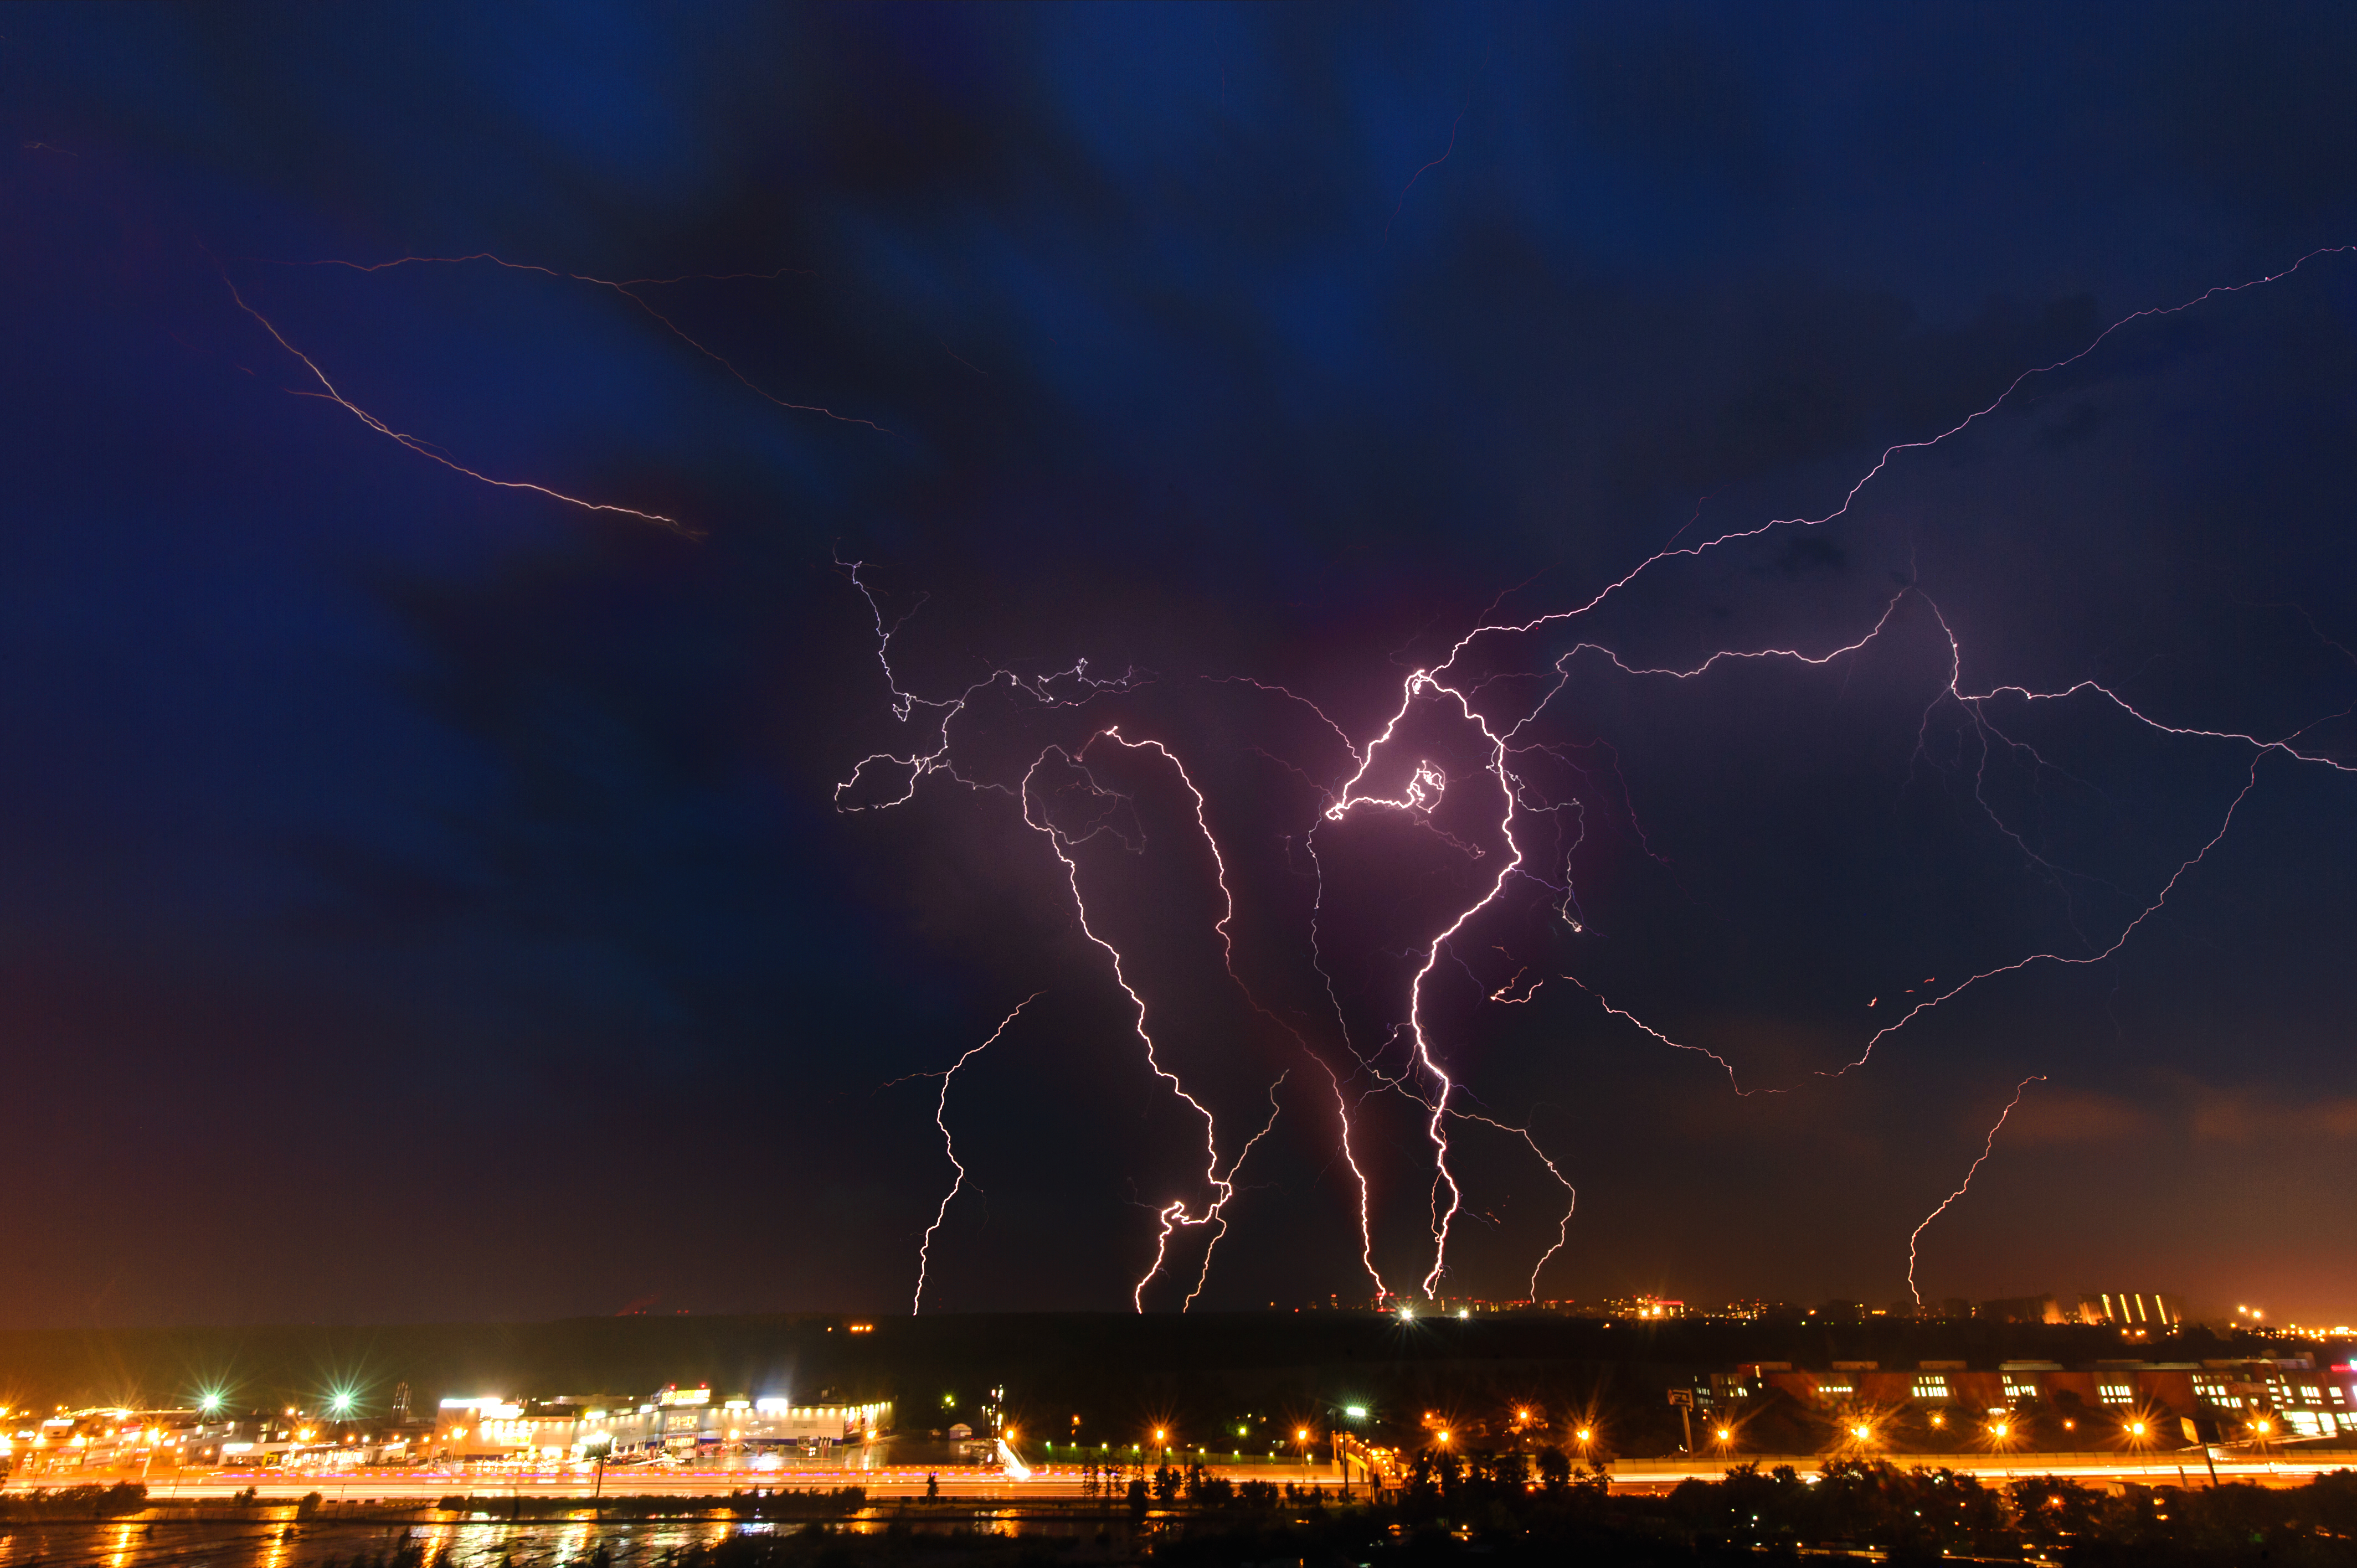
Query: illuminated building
x=2290, y=1391
x=1644, y=1307
x=123, y=1442
x=2117, y=1309
x=2132, y=1309
x=685, y=1423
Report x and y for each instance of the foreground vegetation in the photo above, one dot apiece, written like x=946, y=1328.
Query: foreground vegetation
x=1489, y=1508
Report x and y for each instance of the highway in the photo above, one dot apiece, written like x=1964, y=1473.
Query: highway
x=432, y=1484
x=2169, y=1469
x=2185, y=1467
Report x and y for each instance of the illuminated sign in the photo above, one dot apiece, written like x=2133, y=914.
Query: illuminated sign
x=677, y=1395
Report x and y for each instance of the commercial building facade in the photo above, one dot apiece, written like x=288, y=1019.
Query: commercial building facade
x=676, y=1423
x=2284, y=1399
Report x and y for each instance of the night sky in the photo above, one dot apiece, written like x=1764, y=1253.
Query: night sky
x=421, y=899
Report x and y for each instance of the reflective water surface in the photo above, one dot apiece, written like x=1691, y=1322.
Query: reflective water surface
x=276, y=1539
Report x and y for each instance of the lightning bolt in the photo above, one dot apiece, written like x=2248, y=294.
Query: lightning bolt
x=625, y=287
x=949, y=1144
x=891, y=778
x=1988, y=1145
x=1174, y=1214
x=426, y=449
x=1426, y=1077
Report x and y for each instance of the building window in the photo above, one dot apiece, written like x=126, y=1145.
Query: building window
x=1835, y=1388
x=2019, y=1388
x=1930, y=1386
x=2110, y=1391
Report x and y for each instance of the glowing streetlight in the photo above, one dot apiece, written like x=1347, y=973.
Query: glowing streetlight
x=1442, y=1436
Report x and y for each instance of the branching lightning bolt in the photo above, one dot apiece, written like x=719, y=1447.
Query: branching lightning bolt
x=1988, y=1145
x=1176, y=1214
x=1427, y=1079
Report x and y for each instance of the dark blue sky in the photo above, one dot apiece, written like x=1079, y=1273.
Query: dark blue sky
x=422, y=898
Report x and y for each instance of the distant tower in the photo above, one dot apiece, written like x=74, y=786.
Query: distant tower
x=400, y=1403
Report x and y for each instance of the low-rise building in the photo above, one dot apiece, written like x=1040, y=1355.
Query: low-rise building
x=680, y=1422
x=2269, y=1399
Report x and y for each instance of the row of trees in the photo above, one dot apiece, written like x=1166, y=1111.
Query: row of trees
x=1195, y=1486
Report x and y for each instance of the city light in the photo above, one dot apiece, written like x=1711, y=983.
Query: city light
x=1442, y=1435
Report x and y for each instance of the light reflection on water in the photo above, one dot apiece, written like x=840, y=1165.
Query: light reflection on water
x=277, y=1541
x=273, y=1544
